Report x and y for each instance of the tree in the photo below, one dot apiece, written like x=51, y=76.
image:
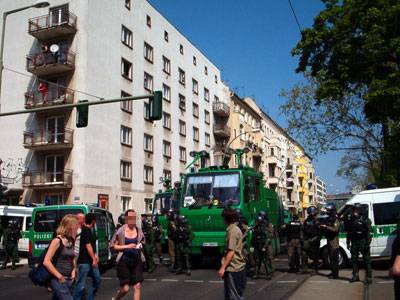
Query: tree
x=335, y=125
x=353, y=50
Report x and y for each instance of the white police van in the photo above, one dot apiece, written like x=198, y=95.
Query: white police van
x=382, y=206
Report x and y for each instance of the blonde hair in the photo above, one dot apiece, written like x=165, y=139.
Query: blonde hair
x=66, y=225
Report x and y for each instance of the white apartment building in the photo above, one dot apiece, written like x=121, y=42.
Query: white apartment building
x=320, y=187
x=86, y=50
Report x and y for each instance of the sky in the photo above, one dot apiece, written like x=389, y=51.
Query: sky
x=250, y=41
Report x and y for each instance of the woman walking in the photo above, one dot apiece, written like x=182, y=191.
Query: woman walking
x=60, y=258
x=127, y=242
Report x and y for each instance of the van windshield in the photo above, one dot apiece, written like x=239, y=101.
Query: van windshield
x=48, y=220
x=164, y=202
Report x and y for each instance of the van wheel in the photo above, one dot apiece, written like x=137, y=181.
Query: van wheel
x=343, y=259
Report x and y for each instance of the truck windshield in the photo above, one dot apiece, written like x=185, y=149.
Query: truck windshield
x=48, y=220
x=163, y=203
x=216, y=189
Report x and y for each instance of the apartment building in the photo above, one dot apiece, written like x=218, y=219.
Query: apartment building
x=90, y=50
x=320, y=190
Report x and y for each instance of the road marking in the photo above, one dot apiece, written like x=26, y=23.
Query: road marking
x=150, y=279
x=251, y=282
x=215, y=281
x=319, y=281
x=9, y=276
x=107, y=278
x=169, y=280
x=385, y=282
x=287, y=281
x=270, y=282
x=192, y=280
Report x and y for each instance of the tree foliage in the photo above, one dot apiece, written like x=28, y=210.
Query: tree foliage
x=353, y=50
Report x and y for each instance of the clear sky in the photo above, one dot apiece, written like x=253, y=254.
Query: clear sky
x=250, y=41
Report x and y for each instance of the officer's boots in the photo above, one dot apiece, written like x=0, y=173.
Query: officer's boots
x=355, y=278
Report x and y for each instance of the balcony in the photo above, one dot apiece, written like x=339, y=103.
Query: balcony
x=54, y=25
x=219, y=148
x=257, y=151
x=272, y=159
x=42, y=139
x=290, y=204
x=221, y=109
x=47, y=180
x=273, y=180
x=53, y=96
x=47, y=63
x=221, y=130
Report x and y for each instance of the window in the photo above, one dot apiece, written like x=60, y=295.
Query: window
x=194, y=60
x=167, y=149
x=148, y=174
x=128, y=4
x=195, y=86
x=207, y=139
x=167, y=174
x=182, y=154
x=181, y=76
x=146, y=111
x=126, y=105
x=148, y=20
x=126, y=170
x=195, y=134
x=166, y=120
x=205, y=71
x=166, y=38
x=126, y=36
x=125, y=203
x=195, y=110
x=126, y=69
x=206, y=116
x=182, y=128
x=166, y=65
x=387, y=213
x=272, y=152
x=182, y=102
x=271, y=169
x=148, y=82
x=215, y=79
x=181, y=49
x=166, y=92
x=148, y=143
x=148, y=205
x=216, y=99
x=148, y=52
x=126, y=135
x=206, y=95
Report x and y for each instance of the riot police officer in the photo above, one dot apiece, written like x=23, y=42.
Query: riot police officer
x=270, y=238
x=294, y=237
x=358, y=241
x=158, y=232
x=121, y=221
x=183, y=244
x=11, y=236
x=171, y=230
x=260, y=244
x=331, y=232
x=148, y=248
x=311, y=239
x=244, y=228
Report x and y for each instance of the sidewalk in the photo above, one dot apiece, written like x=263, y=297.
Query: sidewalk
x=321, y=287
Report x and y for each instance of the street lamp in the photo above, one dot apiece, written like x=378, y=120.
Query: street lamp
x=246, y=132
x=38, y=4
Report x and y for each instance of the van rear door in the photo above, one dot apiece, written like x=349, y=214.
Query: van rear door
x=386, y=208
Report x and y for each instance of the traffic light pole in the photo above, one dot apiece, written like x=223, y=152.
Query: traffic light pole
x=79, y=104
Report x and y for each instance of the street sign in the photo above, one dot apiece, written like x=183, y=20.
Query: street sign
x=6, y=180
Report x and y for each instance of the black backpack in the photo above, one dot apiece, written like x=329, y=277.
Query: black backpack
x=39, y=274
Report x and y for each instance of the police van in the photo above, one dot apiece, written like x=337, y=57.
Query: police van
x=382, y=206
x=23, y=216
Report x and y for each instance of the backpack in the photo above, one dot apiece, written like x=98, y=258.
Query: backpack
x=39, y=274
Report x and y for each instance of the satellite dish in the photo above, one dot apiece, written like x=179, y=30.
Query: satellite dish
x=54, y=48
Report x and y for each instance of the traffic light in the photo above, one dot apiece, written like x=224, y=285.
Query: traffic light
x=156, y=106
x=82, y=115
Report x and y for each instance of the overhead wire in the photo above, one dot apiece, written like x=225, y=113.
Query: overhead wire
x=295, y=16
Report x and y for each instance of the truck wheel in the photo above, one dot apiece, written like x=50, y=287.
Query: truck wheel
x=343, y=259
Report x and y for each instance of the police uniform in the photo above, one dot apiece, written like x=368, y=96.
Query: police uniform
x=183, y=244
x=294, y=236
x=331, y=232
x=260, y=244
x=171, y=230
x=148, y=247
x=158, y=232
x=11, y=236
x=311, y=242
x=359, y=240
x=270, y=249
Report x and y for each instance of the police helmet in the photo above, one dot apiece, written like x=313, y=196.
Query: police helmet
x=295, y=217
x=263, y=214
x=154, y=219
x=330, y=209
x=357, y=206
x=312, y=210
x=121, y=219
x=147, y=223
x=238, y=212
x=259, y=219
x=182, y=220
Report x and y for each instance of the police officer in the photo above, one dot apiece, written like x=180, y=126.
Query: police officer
x=148, y=248
x=270, y=238
x=183, y=244
x=11, y=236
x=358, y=241
x=171, y=233
x=121, y=221
x=260, y=244
x=244, y=228
x=311, y=239
x=158, y=232
x=331, y=232
x=294, y=237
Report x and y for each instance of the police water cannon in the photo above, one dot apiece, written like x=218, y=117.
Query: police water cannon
x=202, y=155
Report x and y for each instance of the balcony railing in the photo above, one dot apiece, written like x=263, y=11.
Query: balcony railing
x=48, y=139
x=44, y=179
x=53, y=25
x=53, y=96
x=222, y=130
x=221, y=109
x=272, y=159
x=47, y=63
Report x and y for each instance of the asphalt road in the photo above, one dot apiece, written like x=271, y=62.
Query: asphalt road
x=204, y=284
